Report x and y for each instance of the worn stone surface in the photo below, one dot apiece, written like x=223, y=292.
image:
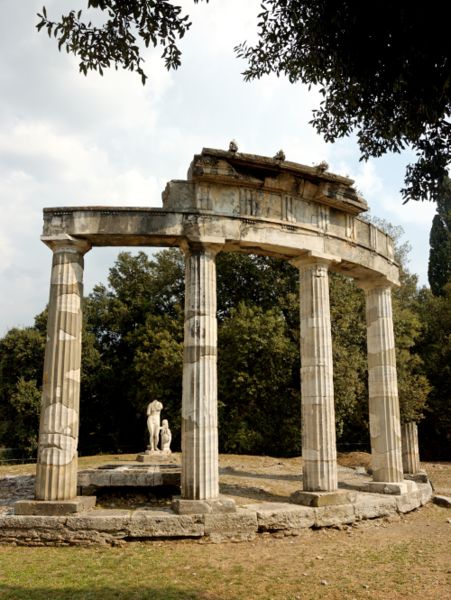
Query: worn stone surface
x=385, y=487
x=56, y=472
x=152, y=458
x=323, y=498
x=372, y=506
x=101, y=520
x=317, y=386
x=424, y=492
x=130, y=476
x=410, y=449
x=183, y=506
x=54, y=508
x=244, y=201
x=237, y=526
x=150, y=524
x=200, y=467
x=408, y=501
x=420, y=477
x=385, y=425
x=330, y=516
x=272, y=516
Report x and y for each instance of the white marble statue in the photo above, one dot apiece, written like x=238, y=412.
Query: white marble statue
x=166, y=437
x=153, y=423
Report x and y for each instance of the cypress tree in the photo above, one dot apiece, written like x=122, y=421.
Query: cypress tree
x=439, y=269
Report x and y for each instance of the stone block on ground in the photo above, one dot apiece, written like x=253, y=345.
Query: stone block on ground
x=330, y=516
x=397, y=488
x=420, y=477
x=182, y=506
x=323, y=498
x=101, y=520
x=408, y=502
x=241, y=525
x=444, y=501
x=54, y=508
x=372, y=507
x=273, y=516
x=155, y=524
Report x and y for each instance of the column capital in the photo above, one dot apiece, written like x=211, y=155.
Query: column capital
x=208, y=248
x=310, y=259
x=66, y=243
x=374, y=282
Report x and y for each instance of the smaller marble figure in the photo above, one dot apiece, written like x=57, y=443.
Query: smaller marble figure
x=153, y=423
x=166, y=437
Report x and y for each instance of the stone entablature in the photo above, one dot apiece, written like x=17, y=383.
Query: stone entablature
x=245, y=203
x=233, y=202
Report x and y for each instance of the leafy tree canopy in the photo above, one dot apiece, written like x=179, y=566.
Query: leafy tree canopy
x=132, y=352
x=434, y=347
x=383, y=70
x=115, y=42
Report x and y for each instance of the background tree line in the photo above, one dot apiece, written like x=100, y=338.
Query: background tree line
x=133, y=352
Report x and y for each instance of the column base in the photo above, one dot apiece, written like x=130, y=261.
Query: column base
x=333, y=498
x=54, y=508
x=397, y=488
x=419, y=477
x=182, y=506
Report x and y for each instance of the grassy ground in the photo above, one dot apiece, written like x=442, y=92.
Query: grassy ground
x=406, y=557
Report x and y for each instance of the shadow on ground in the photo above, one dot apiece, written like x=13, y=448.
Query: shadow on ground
x=11, y=592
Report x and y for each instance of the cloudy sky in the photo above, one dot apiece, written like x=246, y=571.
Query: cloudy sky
x=66, y=139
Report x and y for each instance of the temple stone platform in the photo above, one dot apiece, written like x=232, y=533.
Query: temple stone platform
x=265, y=514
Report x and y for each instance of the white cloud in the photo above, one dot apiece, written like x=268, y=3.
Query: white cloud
x=6, y=252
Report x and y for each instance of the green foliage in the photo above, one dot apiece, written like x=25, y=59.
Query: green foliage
x=259, y=409
x=132, y=353
x=439, y=269
x=26, y=401
x=434, y=348
x=260, y=280
x=382, y=70
x=413, y=385
x=21, y=363
x=347, y=311
x=115, y=42
x=158, y=365
x=135, y=327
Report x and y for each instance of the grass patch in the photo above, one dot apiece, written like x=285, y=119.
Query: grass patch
x=404, y=558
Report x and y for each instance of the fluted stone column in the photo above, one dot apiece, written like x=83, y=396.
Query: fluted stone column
x=200, y=479
x=56, y=475
x=318, y=414
x=410, y=451
x=385, y=426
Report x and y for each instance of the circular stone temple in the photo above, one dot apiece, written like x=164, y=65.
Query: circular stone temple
x=231, y=202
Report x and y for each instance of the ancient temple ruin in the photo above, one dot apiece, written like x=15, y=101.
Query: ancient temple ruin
x=232, y=202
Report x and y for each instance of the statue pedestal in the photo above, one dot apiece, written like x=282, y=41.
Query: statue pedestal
x=153, y=456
